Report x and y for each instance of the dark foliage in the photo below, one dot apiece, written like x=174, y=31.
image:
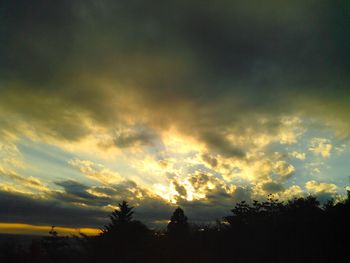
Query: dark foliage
x=299, y=230
x=178, y=225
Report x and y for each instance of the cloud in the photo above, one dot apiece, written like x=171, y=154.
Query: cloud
x=284, y=169
x=25, y=182
x=10, y=155
x=164, y=71
x=204, y=190
x=96, y=171
x=323, y=191
x=277, y=190
x=101, y=197
x=79, y=205
x=321, y=146
x=136, y=138
x=272, y=187
x=231, y=83
x=212, y=161
x=218, y=143
x=37, y=114
x=78, y=194
x=341, y=149
x=318, y=187
x=298, y=155
x=20, y=208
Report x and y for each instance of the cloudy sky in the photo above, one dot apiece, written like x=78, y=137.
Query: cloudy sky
x=164, y=103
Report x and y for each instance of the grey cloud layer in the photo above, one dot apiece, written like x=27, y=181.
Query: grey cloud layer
x=17, y=208
x=230, y=38
x=194, y=63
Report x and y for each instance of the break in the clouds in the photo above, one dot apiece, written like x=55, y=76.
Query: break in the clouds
x=169, y=103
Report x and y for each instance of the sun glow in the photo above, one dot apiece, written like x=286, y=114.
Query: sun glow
x=27, y=229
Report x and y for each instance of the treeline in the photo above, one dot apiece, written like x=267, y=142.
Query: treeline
x=299, y=230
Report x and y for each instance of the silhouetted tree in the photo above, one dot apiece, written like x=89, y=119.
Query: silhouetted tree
x=122, y=240
x=120, y=216
x=298, y=230
x=178, y=225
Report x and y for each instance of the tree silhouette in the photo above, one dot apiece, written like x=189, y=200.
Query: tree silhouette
x=123, y=239
x=120, y=216
x=298, y=230
x=178, y=224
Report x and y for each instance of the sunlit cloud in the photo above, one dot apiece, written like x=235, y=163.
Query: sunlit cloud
x=298, y=155
x=321, y=146
x=25, y=182
x=284, y=169
x=153, y=109
x=96, y=171
x=319, y=187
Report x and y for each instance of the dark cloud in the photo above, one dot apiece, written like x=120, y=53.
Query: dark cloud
x=272, y=187
x=137, y=137
x=242, y=194
x=36, y=40
x=154, y=212
x=99, y=196
x=218, y=143
x=229, y=38
x=65, y=209
x=194, y=64
x=199, y=180
x=76, y=189
x=213, y=162
x=41, y=112
x=180, y=189
x=77, y=193
x=128, y=190
x=19, y=208
x=60, y=210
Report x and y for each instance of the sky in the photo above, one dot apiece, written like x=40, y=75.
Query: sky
x=198, y=104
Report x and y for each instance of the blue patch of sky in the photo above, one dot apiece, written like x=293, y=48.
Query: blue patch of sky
x=333, y=169
x=47, y=162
